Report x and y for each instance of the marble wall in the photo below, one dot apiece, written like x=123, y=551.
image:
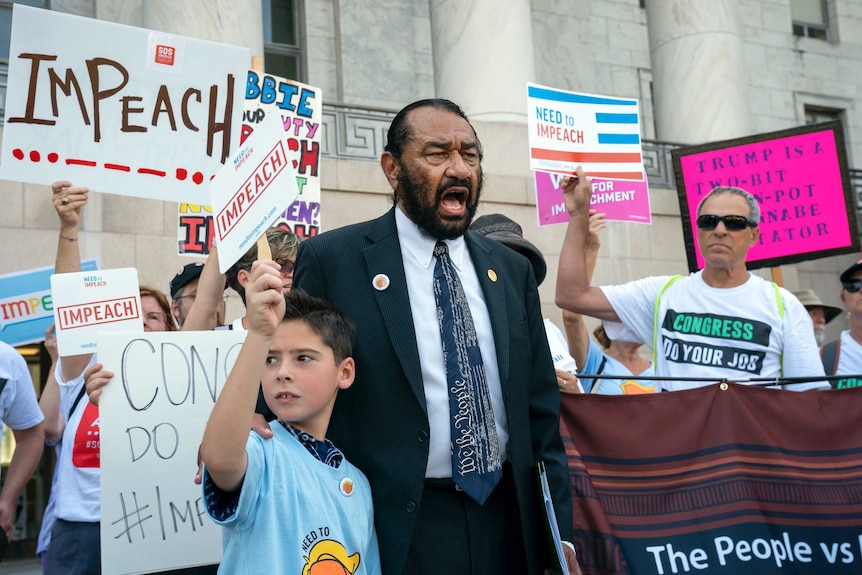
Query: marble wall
x=382, y=54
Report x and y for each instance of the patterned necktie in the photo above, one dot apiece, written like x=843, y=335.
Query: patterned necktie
x=476, y=465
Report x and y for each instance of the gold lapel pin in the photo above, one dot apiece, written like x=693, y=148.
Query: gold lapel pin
x=492, y=275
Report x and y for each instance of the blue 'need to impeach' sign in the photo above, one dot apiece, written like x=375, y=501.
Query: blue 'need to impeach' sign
x=26, y=306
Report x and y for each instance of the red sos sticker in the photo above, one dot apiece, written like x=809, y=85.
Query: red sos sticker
x=164, y=55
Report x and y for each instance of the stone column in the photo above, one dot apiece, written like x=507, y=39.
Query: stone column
x=237, y=22
x=700, y=81
x=483, y=56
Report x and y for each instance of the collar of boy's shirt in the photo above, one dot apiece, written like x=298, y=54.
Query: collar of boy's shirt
x=323, y=451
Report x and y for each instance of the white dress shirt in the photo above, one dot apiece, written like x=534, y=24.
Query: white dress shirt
x=417, y=252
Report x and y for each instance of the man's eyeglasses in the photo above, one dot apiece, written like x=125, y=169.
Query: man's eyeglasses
x=732, y=223
x=853, y=285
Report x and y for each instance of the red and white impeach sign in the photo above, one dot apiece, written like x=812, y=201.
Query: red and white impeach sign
x=120, y=109
x=93, y=302
x=250, y=192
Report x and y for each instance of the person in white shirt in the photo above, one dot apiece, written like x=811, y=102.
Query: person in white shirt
x=721, y=322
x=844, y=355
x=20, y=411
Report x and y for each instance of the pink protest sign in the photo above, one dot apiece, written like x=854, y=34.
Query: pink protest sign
x=800, y=180
x=620, y=200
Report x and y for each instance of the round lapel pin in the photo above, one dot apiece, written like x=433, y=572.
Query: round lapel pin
x=492, y=275
x=380, y=282
x=346, y=487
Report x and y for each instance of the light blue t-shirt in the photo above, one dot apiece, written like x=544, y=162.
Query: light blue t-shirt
x=295, y=511
x=614, y=367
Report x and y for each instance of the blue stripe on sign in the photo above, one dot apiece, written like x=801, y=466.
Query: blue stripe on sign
x=546, y=94
x=619, y=139
x=616, y=118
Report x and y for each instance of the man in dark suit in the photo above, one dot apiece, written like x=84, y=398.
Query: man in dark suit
x=394, y=422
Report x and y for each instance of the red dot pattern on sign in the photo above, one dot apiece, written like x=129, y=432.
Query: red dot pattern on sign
x=54, y=157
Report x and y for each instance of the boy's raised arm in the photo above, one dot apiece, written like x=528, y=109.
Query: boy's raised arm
x=226, y=434
x=204, y=311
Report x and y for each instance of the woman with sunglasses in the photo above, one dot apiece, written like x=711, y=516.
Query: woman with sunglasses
x=720, y=322
x=844, y=355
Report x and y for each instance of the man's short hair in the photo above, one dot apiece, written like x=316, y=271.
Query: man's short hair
x=333, y=327
x=400, y=130
x=753, y=208
x=283, y=244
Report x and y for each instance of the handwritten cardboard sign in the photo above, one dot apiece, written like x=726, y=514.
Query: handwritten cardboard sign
x=800, y=180
x=120, y=109
x=619, y=200
x=600, y=133
x=195, y=229
x=26, y=305
x=248, y=194
x=153, y=415
x=89, y=303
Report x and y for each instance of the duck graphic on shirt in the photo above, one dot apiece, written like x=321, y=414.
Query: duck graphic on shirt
x=329, y=557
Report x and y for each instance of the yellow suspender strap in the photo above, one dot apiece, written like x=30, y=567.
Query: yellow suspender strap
x=655, y=320
x=780, y=301
x=670, y=282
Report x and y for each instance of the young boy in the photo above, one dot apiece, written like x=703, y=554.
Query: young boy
x=291, y=504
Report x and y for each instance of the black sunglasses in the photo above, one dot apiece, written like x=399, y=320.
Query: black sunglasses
x=732, y=223
x=853, y=285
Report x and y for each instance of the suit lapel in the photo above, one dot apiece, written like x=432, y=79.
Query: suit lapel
x=491, y=278
x=383, y=256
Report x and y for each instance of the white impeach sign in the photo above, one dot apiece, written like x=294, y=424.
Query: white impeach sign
x=152, y=416
x=92, y=302
x=253, y=188
x=120, y=109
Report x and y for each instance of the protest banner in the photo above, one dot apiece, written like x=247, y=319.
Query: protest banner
x=248, y=194
x=152, y=418
x=600, y=133
x=89, y=303
x=619, y=200
x=120, y=109
x=800, y=179
x=26, y=306
x=724, y=479
x=300, y=108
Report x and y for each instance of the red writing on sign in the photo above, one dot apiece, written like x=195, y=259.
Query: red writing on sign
x=100, y=312
x=257, y=183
